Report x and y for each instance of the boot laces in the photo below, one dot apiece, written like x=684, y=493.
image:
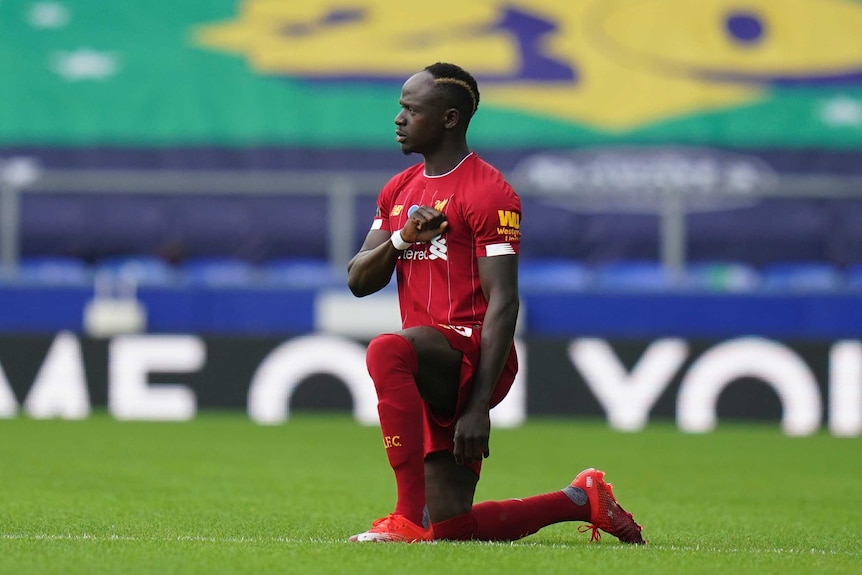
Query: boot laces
x=595, y=535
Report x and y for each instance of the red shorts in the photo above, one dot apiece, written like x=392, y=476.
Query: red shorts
x=440, y=432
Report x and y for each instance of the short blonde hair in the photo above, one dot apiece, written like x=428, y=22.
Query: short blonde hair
x=464, y=85
x=459, y=85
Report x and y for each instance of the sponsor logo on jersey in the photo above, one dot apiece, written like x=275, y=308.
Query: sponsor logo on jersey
x=397, y=210
x=436, y=249
x=510, y=225
x=509, y=219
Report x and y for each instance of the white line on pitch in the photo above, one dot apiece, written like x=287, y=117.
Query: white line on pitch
x=258, y=540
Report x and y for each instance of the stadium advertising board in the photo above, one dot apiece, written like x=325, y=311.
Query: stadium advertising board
x=803, y=386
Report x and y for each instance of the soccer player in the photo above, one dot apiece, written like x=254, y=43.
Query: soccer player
x=449, y=228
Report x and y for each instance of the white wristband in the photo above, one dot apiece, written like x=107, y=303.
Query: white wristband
x=399, y=242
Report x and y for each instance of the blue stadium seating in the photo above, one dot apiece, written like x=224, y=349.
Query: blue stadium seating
x=635, y=275
x=219, y=272
x=536, y=275
x=302, y=273
x=54, y=271
x=141, y=269
x=801, y=276
x=553, y=275
x=853, y=276
x=722, y=276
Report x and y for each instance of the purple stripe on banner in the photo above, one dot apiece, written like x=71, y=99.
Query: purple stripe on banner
x=785, y=161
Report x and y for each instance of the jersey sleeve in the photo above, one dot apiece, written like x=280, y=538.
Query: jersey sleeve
x=495, y=217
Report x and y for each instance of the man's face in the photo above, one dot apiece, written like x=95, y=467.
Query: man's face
x=420, y=123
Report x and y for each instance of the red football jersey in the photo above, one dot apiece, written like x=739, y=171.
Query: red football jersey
x=438, y=281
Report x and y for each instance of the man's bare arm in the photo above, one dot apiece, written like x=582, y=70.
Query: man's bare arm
x=499, y=278
x=371, y=268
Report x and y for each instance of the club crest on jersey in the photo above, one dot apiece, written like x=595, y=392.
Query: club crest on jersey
x=438, y=248
x=440, y=204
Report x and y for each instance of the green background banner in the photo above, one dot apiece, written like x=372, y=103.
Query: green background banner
x=315, y=73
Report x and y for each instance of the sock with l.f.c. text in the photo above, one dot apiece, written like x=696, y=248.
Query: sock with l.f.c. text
x=513, y=519
x=393, y=365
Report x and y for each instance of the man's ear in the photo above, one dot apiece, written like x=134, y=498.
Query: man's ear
x=452, y=118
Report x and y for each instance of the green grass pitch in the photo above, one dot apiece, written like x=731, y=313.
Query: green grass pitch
x=223, y=495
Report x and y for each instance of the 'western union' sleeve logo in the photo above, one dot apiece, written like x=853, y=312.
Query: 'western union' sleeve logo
x=509, y=219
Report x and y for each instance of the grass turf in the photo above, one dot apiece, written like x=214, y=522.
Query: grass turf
x=223, y=495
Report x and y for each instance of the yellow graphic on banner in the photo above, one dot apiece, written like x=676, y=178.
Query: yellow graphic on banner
x=613, y=64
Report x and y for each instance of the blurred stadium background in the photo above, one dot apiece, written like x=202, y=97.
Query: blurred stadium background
x=182, y=184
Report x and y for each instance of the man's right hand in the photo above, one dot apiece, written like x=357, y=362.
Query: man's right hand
x=424, y=224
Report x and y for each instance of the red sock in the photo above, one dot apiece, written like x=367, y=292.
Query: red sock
x=513, y=518
x=392, y=365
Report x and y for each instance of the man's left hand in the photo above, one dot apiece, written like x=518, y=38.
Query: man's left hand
x=472, y=432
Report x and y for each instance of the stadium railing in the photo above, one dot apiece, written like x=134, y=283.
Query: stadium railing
x=346, y=196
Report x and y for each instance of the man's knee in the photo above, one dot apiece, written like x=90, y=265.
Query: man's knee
x=389, y=352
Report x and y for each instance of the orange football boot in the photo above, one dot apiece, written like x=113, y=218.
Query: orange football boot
x=605, y=513
x=394, y=528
